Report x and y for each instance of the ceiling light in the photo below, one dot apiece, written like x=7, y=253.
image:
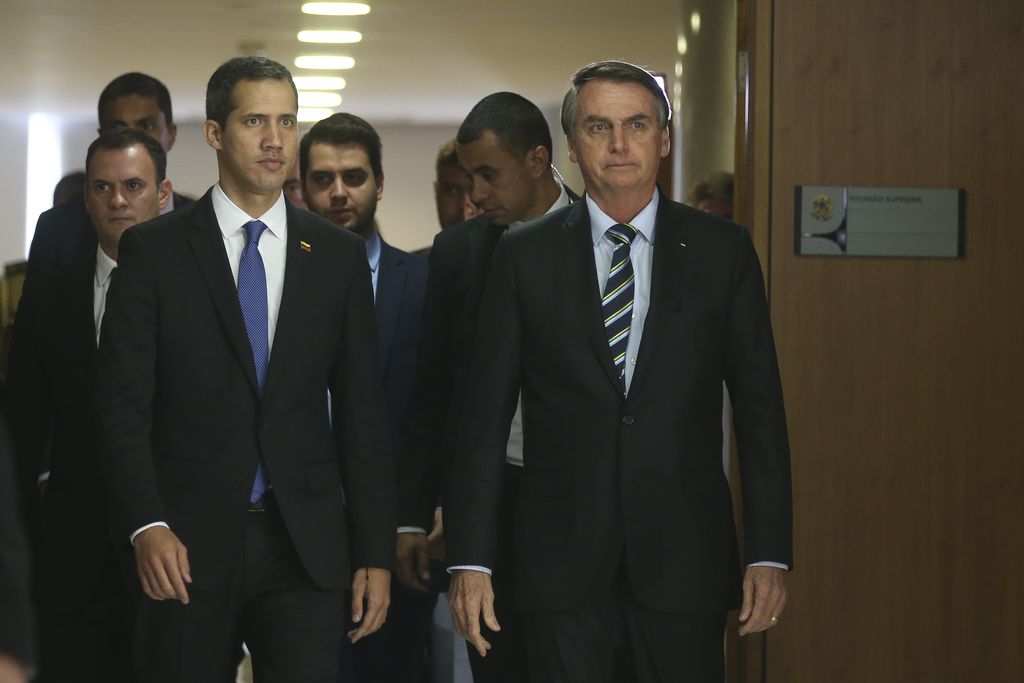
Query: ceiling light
x=681, y=45
x=695, y=22
x=319, y=82
x=313, y=114
x=336, y=9
x=330, y=36
x=318, y=99
x=324, y=62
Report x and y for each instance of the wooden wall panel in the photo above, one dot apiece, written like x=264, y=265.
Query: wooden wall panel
x=904, y=378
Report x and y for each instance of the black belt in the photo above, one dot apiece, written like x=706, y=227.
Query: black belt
x=265, y=504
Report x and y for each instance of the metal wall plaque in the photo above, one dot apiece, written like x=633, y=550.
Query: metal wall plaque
x=879, y=221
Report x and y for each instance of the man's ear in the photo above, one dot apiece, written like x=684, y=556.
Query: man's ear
x=538, y=160
x=172, y=135
x=212, y=132
x=165, y=191
x=572, y=150
x=380, y=187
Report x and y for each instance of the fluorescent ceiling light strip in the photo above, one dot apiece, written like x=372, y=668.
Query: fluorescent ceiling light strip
x=337, y=62
x=318, y=99
x=335, y=37
x=336, y=9
x=319, y=82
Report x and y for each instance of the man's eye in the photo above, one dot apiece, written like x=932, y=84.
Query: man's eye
x=354, y=179
x=133, y=186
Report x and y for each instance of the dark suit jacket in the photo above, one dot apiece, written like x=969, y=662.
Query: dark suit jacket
x=401, y=283
x=65, y=233
x=49, y=403
x=182, y=422
x=609, y=477
x=460, y=261
x=16, y=626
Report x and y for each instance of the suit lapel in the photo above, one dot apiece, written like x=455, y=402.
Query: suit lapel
x=582, y=275
x=670, y=238
x=390, y=287
x=296, y=281
x=79, y=287
x=207, y=244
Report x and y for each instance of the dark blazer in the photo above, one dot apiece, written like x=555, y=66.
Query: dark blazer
x=65, y=233
x=16, y=625
x=460, y=261
x=609, y=477
x=182, y=422
x=401, y=284
x=49, y=404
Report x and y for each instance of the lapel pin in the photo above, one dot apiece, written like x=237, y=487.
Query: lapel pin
x=304, y=246
x=682, y=244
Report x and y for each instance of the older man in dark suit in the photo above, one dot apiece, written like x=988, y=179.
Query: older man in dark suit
x=619, y=318
x=227, y=324
x=84, y=614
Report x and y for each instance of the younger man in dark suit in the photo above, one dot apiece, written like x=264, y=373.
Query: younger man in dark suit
x=618, y=319
x=81, y=595
x=227, y=324
x=343, y=179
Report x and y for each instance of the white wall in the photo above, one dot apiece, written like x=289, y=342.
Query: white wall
x=14, y=142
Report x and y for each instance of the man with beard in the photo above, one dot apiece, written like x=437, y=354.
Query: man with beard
x=343, y=179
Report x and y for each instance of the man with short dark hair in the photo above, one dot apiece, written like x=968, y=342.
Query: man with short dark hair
x=343, y=179
x=81, y=594
x=64, y=234
x=504, y=146
x=618, y=319
x=226, y=324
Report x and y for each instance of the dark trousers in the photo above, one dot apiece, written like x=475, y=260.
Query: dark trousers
x=618, y=640
x=86, y=640
x=291, y=627
x=397, y=653
x=506, y=660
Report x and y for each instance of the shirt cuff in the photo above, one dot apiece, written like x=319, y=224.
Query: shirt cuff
x=469, y=568
x=776, y=565
x=138, y=531
x=45, y=476
x=411, y=530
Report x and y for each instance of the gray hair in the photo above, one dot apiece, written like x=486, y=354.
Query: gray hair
x=619, y=72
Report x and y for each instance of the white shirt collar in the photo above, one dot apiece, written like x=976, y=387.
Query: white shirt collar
x=232, y=219
x=561, y=201
x=643, y=221
x=104, y=266
x=373, y=251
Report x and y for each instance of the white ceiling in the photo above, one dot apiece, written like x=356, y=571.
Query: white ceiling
x=421, y=60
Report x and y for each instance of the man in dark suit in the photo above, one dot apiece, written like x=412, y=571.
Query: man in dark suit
x=504, y=145
x=618, y=319
x=343, y=179
x=16, y=641
x=227, y=324
x=84, y=614
x=63, y=234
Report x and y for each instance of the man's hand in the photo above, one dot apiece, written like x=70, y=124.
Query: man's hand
x=764, y=598
x=471, y=597
x=412, y=561
x=162, y=562
x=371, y=586
x=435, y=540
x=10, y=670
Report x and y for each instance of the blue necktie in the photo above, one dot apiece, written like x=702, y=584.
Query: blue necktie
x=252, y=295
x=617, y=301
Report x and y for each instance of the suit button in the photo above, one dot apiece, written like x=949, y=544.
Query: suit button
x=261, y=425
x=627, y=419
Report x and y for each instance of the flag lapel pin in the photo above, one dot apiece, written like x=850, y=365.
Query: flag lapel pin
x=304, y=246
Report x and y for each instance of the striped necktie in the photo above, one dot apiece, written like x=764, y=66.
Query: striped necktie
x=617, y=301
x=252, y=295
